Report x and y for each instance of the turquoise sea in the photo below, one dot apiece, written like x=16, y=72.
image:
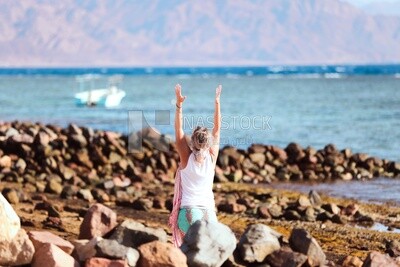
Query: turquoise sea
x=349, y=107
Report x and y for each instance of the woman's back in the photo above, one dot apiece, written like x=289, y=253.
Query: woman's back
x=197, y=181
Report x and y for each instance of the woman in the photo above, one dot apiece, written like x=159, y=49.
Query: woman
x=193, y=197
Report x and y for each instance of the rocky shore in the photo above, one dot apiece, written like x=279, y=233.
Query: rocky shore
x=53, y=177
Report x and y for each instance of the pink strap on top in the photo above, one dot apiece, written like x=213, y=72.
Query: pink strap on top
x=173, y=218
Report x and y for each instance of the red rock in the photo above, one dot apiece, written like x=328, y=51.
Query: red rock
x=50, y=255
x=160, y=254
x=352, y=261
x=376, y=259
x=350, y=209
x=102, y=262
x=40, y=238
x=121, y=181
x=98, y=221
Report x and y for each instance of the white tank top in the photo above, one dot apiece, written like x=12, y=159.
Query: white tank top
x=197, y=182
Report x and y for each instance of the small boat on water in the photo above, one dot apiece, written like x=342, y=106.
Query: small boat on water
x=110, y=96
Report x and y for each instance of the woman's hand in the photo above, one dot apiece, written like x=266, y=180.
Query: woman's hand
x=218, y=93
x=178, y=93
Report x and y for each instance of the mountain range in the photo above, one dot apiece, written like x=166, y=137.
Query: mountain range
x=182, y=32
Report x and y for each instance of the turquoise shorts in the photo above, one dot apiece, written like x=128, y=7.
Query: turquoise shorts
x=188, y=215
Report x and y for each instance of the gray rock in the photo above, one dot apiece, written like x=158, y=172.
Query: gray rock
x=257, y=242
x=302, y=241
x=208, y=244
x=85, y=249
x=112, y=249
x=315, y=198
x=133, y=234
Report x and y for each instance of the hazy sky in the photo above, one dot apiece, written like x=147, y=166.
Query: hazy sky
x=365, y=2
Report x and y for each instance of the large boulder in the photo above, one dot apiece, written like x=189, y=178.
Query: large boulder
x=98, y=221
x=50, y=255
x=302, y=241
x=257, y=242
x=208, y=244
x=375, y=258
x=10, y=223
x=133, y=234
x=160, y=254
x=18, y=251
x=40, y=238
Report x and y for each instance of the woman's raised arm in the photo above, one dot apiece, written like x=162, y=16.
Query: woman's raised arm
x=217, y=124
x=181, y=144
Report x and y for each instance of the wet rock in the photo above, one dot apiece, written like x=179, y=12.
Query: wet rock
x=309, y=214
x=332, y=208
x=275, y=210
x=285, y=257
x=393, y=248
x=350, y=209
x=375, y=258
x=98, y=221
x=263, y=211
x=352, y=261
x=133, y=234
x=17, y=251
x=303, y=201
x=50, y=255
x=39, y=238
x=208, y=244
x=257, y=242
x=102, y=262
x=315, y=198
x=279, y=153
x=159, y=254
x=291, y=215
x=324, y=216
x=10, y=223
x=294, y=152
x=346, y=176
x=301, y=241
x=258, y=158
x=112, y=249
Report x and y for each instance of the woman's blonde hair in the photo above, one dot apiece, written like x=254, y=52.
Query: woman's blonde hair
x=201, y=139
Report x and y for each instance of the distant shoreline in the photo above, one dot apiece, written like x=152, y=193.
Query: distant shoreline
x=285, y=70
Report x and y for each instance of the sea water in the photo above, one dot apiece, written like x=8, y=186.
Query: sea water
x=351, y=107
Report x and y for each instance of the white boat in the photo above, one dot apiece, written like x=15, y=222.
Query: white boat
x=107, y=97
